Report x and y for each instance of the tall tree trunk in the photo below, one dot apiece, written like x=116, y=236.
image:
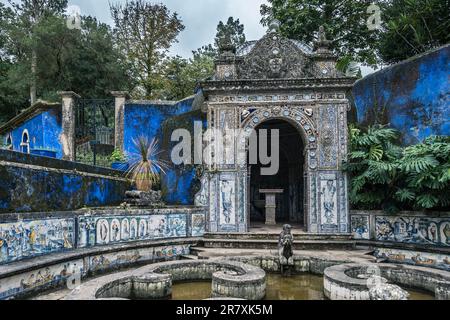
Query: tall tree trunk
x=33, y=86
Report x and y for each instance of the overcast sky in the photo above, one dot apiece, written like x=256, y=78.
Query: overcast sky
x=199, y=16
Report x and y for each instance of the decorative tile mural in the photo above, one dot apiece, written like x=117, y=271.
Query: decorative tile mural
x=26, y=239
x=198, y=225
x=433, y=260
x=419, y=230
x=328, y=138
x=49, y=276
x=227, y=203
x=115, y=260
x=63, y=273
x=108, y=230
x=329, y=202
x=360, y=227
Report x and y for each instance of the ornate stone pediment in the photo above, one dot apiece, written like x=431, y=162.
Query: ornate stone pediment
x=275, y=57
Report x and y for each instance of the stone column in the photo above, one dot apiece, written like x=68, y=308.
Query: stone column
x=120, y=100
x=67, y=137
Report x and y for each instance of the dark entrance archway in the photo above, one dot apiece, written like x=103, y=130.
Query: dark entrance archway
x=290, y=177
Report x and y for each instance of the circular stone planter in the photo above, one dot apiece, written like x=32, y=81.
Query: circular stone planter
x=344, y=282
x=229, y=279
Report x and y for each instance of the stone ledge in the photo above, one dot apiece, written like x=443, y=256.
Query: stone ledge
x=32, y=264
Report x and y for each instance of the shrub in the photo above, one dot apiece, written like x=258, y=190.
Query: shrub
x=386, y=176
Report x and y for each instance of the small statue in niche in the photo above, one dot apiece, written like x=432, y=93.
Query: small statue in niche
x=285, y=250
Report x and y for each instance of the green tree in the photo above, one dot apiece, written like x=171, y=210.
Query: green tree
x=13, y=94
x=144, y=32
x=85, y=61
x=345, y=23
x=183, y=75
x=29, y=17
x=232, y=29
x=413, y=27
x=94, y=66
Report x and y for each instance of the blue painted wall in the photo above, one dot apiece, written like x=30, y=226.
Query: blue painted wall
x=181, y=183
x=412, y=96
x=59, y=185
x=44, y=131
x=142, y=119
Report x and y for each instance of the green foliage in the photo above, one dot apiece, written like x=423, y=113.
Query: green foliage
x=118, y=156
x=144, y=32
x=413, y=27
x=409, y=27
x=233, y=30
x=372, y=167
x=85, y=61
x=345, y=23
x=387, y=176
x=182, y=75
x=426, y=168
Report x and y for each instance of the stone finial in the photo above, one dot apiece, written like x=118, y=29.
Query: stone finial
x=274, y=26
x=322, y=44
x=226, y=46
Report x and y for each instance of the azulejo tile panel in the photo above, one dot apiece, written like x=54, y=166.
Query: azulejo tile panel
x=27, y=239
x=115, y=229
x=418, y=230
x=44, y=277
x=360, y=227
x=24, y=239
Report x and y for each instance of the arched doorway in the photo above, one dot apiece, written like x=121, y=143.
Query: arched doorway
x=290, y=176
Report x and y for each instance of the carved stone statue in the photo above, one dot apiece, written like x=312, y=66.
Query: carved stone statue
x=285, y=250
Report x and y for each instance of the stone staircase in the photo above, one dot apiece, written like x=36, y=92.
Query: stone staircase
x=302, y=241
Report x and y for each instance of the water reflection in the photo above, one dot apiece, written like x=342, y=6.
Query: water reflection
x=299, y=287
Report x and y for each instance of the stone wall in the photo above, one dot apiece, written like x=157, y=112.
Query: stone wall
x=30, y=183
x=412, y=96
x=31, y=235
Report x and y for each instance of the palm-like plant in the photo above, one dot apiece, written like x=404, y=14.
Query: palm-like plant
x=145, y=167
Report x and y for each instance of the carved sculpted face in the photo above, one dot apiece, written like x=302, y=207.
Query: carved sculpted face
x=275, y=66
